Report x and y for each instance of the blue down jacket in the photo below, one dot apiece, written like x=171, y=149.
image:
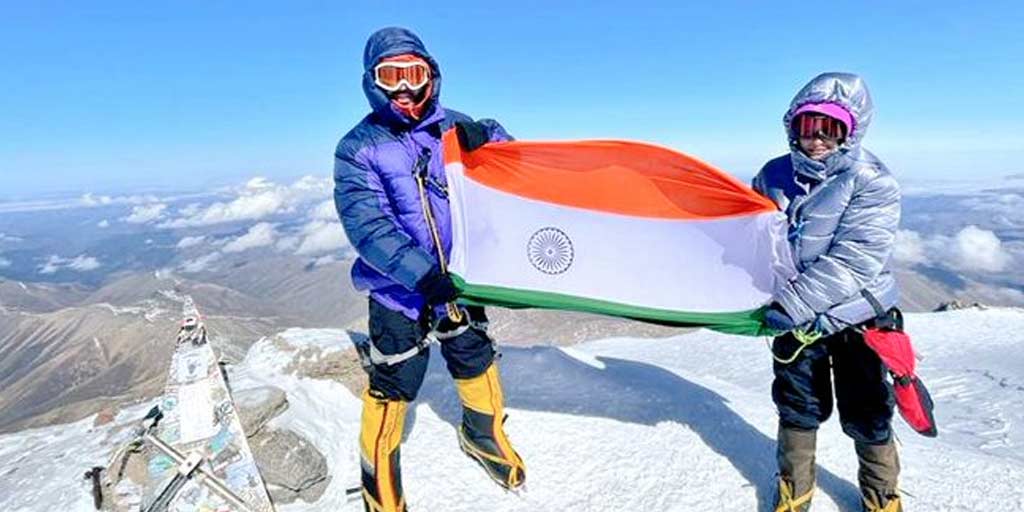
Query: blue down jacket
x=375, y=192
x=843, y=214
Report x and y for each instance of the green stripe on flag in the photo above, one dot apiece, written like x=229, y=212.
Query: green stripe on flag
x=749, y=323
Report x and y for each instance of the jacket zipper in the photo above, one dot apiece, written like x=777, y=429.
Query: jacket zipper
x=797, y=222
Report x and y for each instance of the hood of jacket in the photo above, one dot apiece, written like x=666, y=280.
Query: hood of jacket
x=845, y=90
x=389, y=42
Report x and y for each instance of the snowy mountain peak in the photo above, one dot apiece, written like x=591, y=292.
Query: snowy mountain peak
x=680, y=423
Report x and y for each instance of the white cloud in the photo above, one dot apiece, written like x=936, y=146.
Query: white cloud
x=190, y=241
x=83, y=263
x=90, y=199
x=324, y=260
x=971, y=249
x=259, y=183
x=258, y=199
x=1006, y=209
x=4, y=237
x=103, y=224
x=324, y=211
x=201, y=263
x=190, y=210
x=1011, y=295
x=260, y=235
x=287, y=243
x=249, y=207
x=52, y=265
x=146, y=213
x=4, y=262
x=320, y=237
x=978, y=249
x=910, y=248
x=80, y=263
x=312, y=184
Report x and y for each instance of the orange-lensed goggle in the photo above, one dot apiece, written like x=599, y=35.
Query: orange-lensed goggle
x=810, y=126
x=391, y=75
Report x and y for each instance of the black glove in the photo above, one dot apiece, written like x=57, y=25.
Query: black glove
x=437, y=288
x=445, y=327
x=471, y=134
x=777, y=319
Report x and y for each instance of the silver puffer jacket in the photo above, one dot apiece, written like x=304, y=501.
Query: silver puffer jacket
x=843, y=214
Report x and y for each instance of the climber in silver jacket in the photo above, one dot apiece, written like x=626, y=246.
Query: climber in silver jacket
x=843, y=213
x=843, y=207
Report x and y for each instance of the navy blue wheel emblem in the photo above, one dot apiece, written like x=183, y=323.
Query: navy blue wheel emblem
x=550, y=251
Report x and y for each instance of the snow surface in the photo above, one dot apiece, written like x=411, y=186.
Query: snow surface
x=684, y=423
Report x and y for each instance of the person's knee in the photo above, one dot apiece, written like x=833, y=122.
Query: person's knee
x=394, y=335
x=800, y=403
x=870, y=431
x=866, y=406
x=401, y=381
x=804, y=418
x=870, y=423
x=473, y=365
x=468, y=355
x=390, y=390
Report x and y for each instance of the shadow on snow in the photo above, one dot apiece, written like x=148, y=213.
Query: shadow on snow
x=549, y=380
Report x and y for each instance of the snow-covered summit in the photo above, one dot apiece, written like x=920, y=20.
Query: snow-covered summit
x=682, y=423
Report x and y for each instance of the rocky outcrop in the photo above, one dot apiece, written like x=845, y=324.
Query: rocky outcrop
x=341, y=366
x=292, y=467
x=956, y=304
x=257, y=406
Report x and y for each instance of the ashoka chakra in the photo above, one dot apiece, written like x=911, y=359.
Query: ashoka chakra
x=550, y=251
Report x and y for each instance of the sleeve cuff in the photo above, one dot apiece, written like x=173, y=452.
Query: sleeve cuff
x=794, y=306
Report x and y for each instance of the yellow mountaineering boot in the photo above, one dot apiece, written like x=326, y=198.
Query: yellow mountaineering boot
x=482, y=435
x=382, y=424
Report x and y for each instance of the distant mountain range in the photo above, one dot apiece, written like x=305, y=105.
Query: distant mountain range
x=68, y=352
x=89, y=290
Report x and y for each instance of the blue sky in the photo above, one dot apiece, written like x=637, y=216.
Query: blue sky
x=118, y=96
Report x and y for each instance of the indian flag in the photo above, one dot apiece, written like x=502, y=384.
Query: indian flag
x=612, y=227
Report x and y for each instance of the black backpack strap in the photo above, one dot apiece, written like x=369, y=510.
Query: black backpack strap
x=883, y=319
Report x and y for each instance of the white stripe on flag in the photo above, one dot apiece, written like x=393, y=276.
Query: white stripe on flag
x=721, y=265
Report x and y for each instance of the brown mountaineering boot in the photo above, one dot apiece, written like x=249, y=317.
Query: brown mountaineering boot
x=795, y=456
x=874, y=502
x=878, y=476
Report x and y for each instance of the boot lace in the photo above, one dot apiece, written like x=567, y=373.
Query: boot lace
x=789, y=503
x=892, y=505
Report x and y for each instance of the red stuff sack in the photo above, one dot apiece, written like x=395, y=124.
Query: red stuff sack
x=912, y=399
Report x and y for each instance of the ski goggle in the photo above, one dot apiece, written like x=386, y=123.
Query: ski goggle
x=810, y=126
x=391, y=75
